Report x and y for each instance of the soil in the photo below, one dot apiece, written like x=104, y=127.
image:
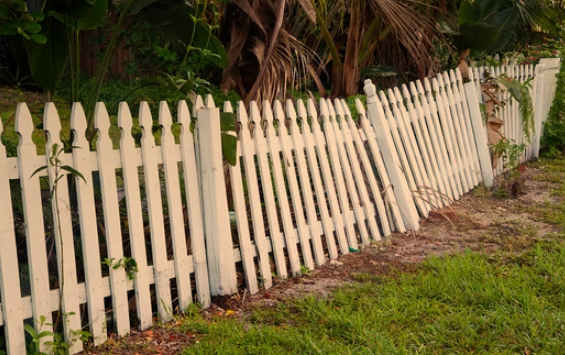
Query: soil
x=478, y=222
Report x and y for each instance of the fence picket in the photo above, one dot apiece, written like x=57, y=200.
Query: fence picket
x=288, y=162
x=305, y=188
x=288, y=235
x=309, y=146
x=62, y=230
x=461, y=99
x=353, y=137
x=109, y=193
x=336, y=188
x=155, y=212
x=130, y=173
x=413, y=156
x=445, y=135
x=335, y=139
x=247, y=153
x=9, y=267
x=245, y=246
x=176, y=215
x=437, y=188
x=35, y=234
x=388, y=192
x=217, y=230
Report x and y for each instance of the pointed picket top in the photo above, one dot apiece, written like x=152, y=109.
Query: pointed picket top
x=413, y=92
x=398, y=97
x=52, y=126
x=198, y=104
x=458, y=76
x=384, y=100
x=146, y=122
x=435, y=85
x=312, y=110
x=78, y=125
x=276, y=113
x=242, y=116
x=331, y=109
x=166, y=121
x=346, y=110
x=268, y=127
x=1, y=130
x=362, y=113
x=254, y=113
x=453, y=77
x=407, y=95
x=210, y=101
x=290, y=113
x=420, y=88
x=339, y=110
x=228, y=107
x=324, y=111
x=102, y=122
x=125, y=123
x=427, y=85
x=301, y=111
x=183, y=117
x=24, y=125
x=440, y=81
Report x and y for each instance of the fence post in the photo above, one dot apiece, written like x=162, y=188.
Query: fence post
x=401, y=190
x=479, y=131
x=219, y=249
x=539, y=100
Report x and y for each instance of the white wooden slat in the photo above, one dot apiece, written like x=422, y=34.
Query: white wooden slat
x=352, y=133
x=247, y=150
x=438, y=190
x=462, y=122
x=176, y=214
x=282, y=193
x=261, y=148
x=246, y=247
x=312, y=162
x=63, y=230
x=334, y=138
x=438, y=144
x=411, y=149
x=217, y=229
x=392, y=162
x=130, y=175
x=337, y=194
x=193, y=205
x=109, y=193
x=436, y=130
x=10, y=293
x=500, y=165
x=388, y=192
x=461, y=97
x=355, y=151
x=155, y=213
x=479, y=132
x=450, y=132
x=304, y=190
x=32, y=210
x=442, y=126
x=455, y=115
x=401, y=154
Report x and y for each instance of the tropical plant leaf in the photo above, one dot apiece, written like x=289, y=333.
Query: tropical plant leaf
x=229, y=148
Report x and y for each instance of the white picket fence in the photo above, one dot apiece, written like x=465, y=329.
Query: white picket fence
x=311, y=183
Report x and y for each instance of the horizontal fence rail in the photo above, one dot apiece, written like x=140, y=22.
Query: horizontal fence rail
x=161, y=221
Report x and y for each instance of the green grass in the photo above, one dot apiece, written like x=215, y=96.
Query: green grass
x=512, y=302
x=466, y=304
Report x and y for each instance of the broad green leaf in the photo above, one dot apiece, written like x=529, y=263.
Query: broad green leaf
x=227, y=122
x=505, y=22
x=477, y=36
x=38, y=170
x=32, y=27
x=3, y=12
x=38, y=38
x=74, y=172
x=229, y=148
x=48, y=61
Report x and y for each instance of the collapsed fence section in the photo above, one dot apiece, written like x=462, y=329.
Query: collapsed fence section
x=151, y=223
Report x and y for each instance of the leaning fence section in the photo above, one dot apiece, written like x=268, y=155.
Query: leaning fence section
x=156, y=220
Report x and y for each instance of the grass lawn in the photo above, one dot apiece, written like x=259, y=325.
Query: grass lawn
x=475, y=303
x=467, y=304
